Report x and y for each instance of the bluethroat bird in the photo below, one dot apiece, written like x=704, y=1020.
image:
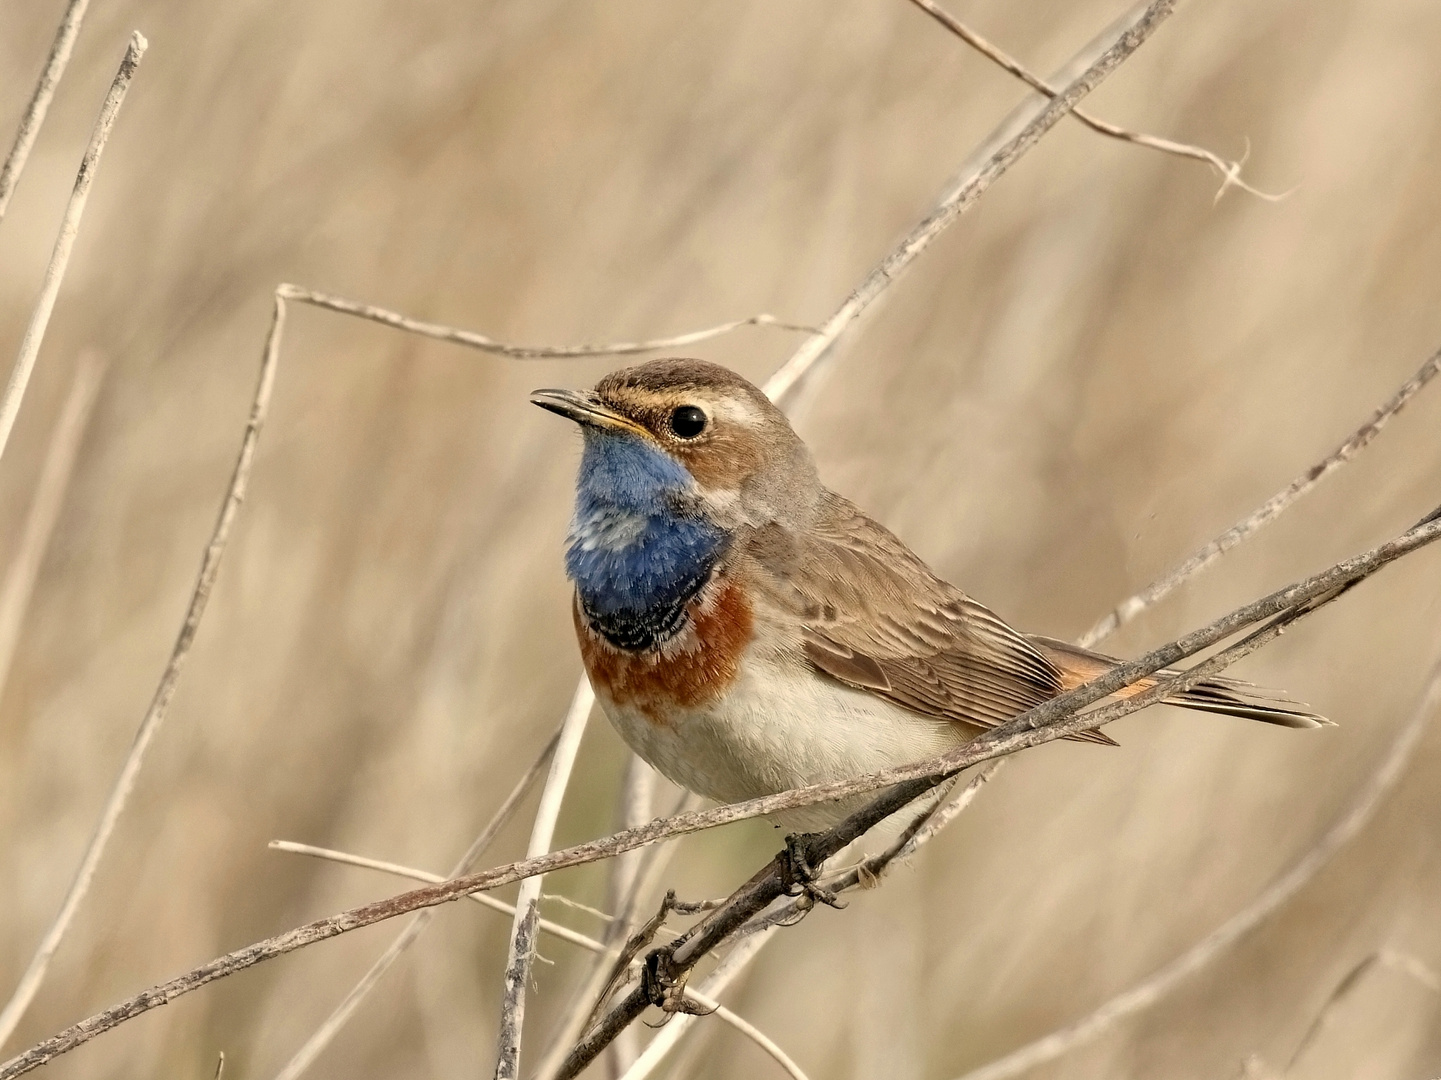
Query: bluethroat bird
x=748, y=631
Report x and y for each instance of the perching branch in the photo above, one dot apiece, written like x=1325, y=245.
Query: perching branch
x=1224, y=937
x=1230, y=170
x=1268, y=511
x=1046, y=722
x=64, y=244
x=34, y=117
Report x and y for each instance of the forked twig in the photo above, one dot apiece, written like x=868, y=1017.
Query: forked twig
x=325, y=1034
x=64, y=244
x=1268, y=511
x=1015, y=135
x=1215, y=944
x=1230, y=170
x=45, y=505
x=1051, y=720
x=29, y=130
x=472, y=340
x=558, y=930
x=521, y=951
x=155, y=715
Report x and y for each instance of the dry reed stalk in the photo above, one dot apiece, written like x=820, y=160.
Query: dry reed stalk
x=34, y=116
x=521, y=951
x=1215, y=944
x=1269, y=510
x=45, y=505
x=155, y=715
x=64, y=244
x=324, y=1035
x=1230, y=170
x=1044, y=723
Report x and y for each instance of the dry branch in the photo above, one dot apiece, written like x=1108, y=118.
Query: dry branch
x=120, y=794
x=521, y=951
x=1219, y=941
x=1015, y=135
x=1230, y=170
x=325, y=1034
x=34, y=116
x=1268, y=511
x=64, y=244
x=472, y=340
x=1046, y=722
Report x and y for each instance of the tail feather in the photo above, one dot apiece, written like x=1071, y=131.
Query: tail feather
x=1230, y=697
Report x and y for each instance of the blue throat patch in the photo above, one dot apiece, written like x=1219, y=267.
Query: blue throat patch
x=635, y=553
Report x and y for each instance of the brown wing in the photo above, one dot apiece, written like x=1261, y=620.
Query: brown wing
x=877, y=619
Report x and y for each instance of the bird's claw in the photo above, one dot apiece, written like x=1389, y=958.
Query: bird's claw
x=801, y=878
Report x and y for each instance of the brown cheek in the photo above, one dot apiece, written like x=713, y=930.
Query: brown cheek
x=722, y=464
x=658, y=680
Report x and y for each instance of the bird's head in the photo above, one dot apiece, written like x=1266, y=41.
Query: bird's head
x=694, y=435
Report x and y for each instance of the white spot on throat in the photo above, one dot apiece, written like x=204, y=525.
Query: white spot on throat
x=612, y=529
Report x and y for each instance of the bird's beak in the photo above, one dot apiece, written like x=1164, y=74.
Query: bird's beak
x=584, y=408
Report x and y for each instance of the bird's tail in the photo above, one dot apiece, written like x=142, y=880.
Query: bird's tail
x=1227, y=696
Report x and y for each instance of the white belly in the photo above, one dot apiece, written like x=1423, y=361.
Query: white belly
x=780, y=726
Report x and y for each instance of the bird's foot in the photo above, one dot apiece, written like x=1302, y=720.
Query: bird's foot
x=665, y=989
x=801, y=878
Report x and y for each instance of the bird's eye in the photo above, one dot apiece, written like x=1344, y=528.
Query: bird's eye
x=687, y=422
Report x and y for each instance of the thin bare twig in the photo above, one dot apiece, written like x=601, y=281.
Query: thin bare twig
x=65, y=243
x=1016, y=135
x=564, y=933
x=34, y=117
x=527, y=909
x=1410, y=966
x=1230, y=170
x=1215, y=944
x=1046, y=722
x=1268, y=511
x=124, y=783
x=325, y=1034
x=472, y=340
x=45, y=505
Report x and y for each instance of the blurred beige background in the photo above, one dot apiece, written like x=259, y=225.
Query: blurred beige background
x=1090, y=375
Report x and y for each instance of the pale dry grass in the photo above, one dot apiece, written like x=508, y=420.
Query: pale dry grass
x=1089, y=377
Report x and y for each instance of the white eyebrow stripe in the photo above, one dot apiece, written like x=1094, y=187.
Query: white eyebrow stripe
x=736, y=409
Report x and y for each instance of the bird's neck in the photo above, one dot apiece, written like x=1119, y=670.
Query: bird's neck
x=637, y=551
